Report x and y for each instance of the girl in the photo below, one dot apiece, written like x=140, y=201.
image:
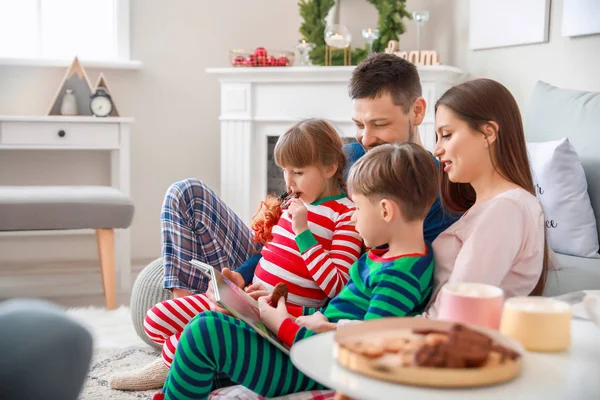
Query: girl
x=309, y=246
x=394, y=187
x=500, y=240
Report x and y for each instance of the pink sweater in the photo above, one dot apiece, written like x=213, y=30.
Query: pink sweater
x=499, y=241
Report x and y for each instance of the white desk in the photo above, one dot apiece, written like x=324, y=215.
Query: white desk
x=79, y=133
x=571, y=375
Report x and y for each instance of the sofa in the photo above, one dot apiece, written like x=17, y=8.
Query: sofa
x=555, y=113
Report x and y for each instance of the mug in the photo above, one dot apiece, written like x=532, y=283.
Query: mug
x=471, y=303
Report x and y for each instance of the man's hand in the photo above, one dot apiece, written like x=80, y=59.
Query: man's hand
x=271, y=316
x=257, y=290
x=299, y=214
x=316, y=322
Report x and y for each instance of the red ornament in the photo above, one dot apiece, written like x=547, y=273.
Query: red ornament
x=260, y=52
x=239, y=61
x=283, y=61
x=251, y=61
x=263, y=62
x=272, y=61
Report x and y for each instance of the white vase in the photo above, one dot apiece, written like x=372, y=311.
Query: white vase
x=69, y=103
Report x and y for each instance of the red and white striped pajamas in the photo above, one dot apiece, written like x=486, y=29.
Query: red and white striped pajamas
x=314, y=265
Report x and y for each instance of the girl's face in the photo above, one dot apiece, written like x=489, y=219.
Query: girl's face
x=309, y=183
x=463, y=152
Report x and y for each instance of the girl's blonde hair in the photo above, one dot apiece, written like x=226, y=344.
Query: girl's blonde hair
x=310, y=142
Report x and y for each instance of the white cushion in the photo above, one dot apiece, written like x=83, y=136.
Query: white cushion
x=561, y=188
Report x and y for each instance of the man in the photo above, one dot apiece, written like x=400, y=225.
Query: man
x=387, y=108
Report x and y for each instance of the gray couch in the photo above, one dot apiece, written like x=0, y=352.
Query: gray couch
x=553, y=114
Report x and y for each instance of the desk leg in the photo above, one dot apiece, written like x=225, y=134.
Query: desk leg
x=120, y=179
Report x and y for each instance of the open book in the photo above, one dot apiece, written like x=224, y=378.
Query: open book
x=238, y=303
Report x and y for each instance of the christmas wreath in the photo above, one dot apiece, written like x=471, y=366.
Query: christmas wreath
x=314, y=12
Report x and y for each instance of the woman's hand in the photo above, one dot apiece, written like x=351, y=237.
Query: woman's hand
x=316, y=322
x=299, y=214
x=272, y=317
x=257, y=290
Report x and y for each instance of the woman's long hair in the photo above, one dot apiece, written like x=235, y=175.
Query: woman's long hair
x=478, y=102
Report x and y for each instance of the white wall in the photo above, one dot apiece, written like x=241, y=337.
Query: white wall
x=175, y=105
x=563, y=61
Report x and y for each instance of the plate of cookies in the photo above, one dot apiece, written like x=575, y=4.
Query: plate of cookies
x=424, y=352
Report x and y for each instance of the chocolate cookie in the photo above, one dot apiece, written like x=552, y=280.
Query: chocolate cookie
x=279, y=291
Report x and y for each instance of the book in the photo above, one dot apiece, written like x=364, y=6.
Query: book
x=232, y=298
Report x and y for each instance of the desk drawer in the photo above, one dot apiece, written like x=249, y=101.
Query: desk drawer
x=60, y=134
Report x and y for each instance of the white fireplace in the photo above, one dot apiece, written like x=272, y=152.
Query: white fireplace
x=257, y=103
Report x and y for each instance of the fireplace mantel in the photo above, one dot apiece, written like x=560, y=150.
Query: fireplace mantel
x=260, y=102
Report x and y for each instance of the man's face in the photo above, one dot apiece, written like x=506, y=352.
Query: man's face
x=380, y=121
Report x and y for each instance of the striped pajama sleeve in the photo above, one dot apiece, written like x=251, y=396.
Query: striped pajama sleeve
x=330, y=269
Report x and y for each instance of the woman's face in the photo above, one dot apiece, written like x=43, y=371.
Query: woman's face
x=463, y=152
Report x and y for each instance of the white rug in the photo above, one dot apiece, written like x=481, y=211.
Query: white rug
x=117, y=348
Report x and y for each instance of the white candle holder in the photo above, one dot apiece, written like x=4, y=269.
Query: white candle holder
x=370, y=35
x=304, y=48
x=420, y=17
x=337, y=37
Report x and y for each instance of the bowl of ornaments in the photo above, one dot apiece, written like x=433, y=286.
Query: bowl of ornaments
x=260, y=57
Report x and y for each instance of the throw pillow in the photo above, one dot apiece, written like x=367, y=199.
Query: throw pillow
x=561, y=188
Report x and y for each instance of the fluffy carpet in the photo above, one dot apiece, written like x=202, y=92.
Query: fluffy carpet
x=117, y=348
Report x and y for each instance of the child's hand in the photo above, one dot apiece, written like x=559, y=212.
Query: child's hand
x=271, y=316
x=234, y=277
x=257, y=290
x=299, y=214
x=316, y=322
x=210, y=295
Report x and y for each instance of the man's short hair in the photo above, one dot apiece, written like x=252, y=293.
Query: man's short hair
x=384, y=73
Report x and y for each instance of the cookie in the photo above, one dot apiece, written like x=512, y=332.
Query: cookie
x=285, y=199
x=279, y=291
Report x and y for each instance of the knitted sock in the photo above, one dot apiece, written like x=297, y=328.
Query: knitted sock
x=150, y=377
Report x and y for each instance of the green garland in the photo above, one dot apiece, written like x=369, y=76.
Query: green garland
x=314, y=12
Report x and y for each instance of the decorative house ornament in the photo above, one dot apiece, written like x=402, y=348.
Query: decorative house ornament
x=101, y=87
x=76, y=80
x=421, y=57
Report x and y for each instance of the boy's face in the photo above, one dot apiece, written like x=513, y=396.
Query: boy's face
x=379, y=121
x=369, y=220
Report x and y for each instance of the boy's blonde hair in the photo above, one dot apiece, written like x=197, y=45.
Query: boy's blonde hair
x=405, y=173
x=312, y=142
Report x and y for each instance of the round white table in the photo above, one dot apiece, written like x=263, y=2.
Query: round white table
x=574, y=374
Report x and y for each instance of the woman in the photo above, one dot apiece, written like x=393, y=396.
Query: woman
x=500, y=239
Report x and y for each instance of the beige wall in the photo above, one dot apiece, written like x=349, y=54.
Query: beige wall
x=562, y=61
x=175, y=105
